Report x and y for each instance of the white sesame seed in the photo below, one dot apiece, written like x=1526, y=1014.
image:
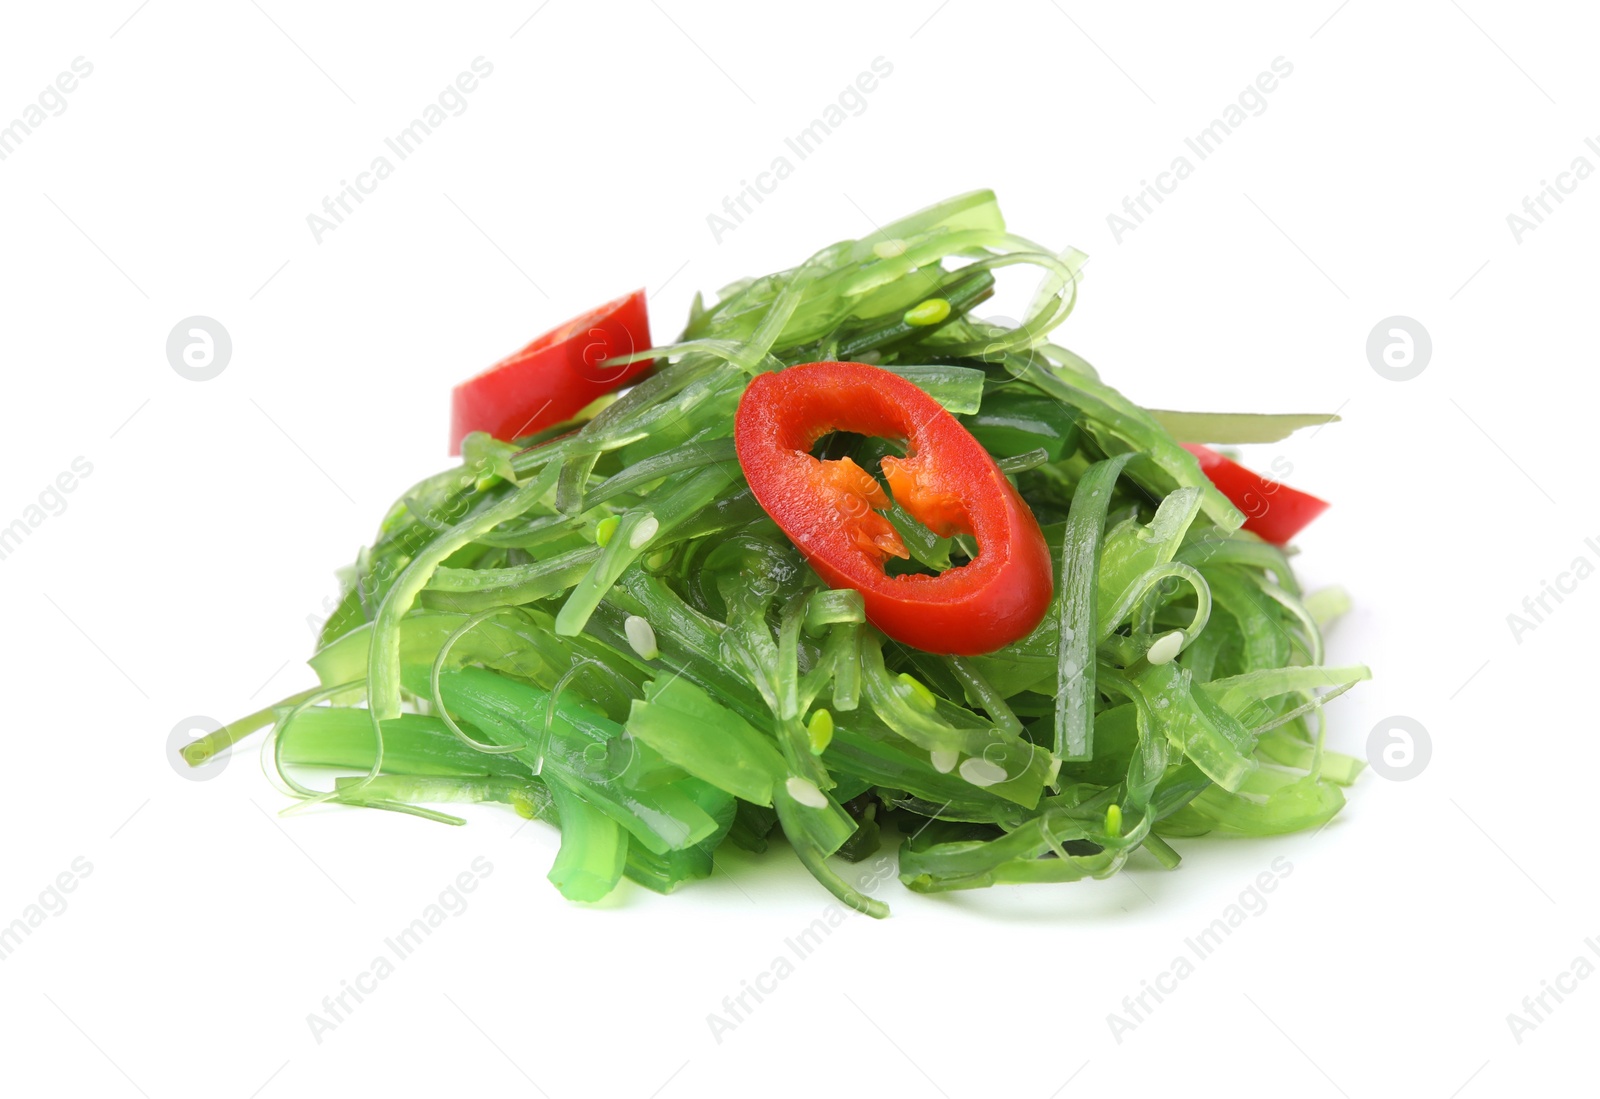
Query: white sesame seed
x=805, y=792
x=645, y=531
x=980, y=772
x=943, y=761
x=1165, y=647
x=642, y=636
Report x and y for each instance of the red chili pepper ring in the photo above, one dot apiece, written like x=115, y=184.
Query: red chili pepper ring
x=947, y=481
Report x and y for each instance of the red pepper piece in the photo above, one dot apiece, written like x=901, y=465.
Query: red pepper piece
x=1273, y=510
x=555, y=376
x=947, y=481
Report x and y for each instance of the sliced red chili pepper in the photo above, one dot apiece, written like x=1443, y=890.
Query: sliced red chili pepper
x=555, y=376
x=947, y=481
x=1273, y=510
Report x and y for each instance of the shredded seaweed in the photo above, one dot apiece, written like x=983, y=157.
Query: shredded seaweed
x=598, y=626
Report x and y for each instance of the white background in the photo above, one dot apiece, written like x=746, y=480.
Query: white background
x=180, y=577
